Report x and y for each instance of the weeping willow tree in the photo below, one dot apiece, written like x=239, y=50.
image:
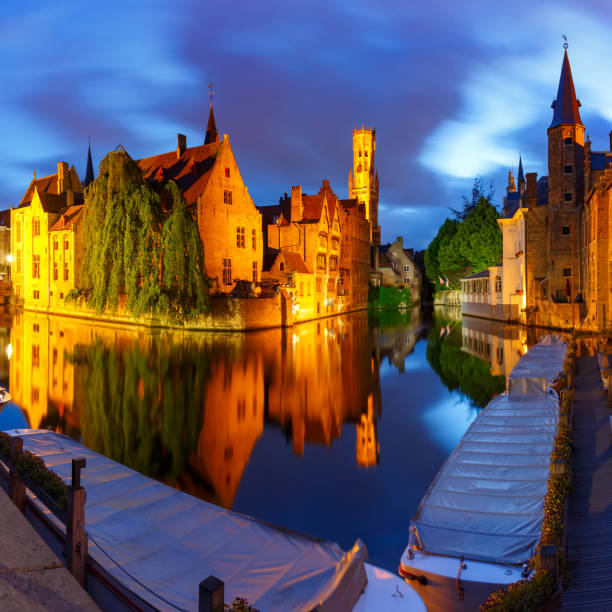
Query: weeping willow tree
x=134, y=248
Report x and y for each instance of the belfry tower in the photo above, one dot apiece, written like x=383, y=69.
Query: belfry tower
x=363, y=179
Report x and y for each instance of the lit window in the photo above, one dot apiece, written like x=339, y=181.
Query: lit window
x=333, y=263
x=18, y=230
x=254, y=271
x=319, y=284
x=55, y=244
x=66, y=272
x=227, y=172
x=66, y=243
x=321, y=261
x=254, y=239
x=35, y=266
x=36, y=227
x=227, y=196
x=55, y=271
x=240, y=237
x=227, y=271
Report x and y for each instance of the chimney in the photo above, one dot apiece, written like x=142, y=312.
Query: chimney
x=181, y=144
x=69, y=197
x=63, y=178
x=531, y=193
x=400, y=242
x=297, y=209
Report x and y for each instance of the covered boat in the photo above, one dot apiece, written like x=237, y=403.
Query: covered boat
x=150, y=546
x=481, y=518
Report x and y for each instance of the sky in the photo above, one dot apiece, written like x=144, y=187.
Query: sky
x=454, y=90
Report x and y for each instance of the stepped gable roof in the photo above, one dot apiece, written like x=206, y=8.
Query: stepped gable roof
x=68, y=218
x=45, y=184
x=5, y=218
x=566, y=103
x=191, y=171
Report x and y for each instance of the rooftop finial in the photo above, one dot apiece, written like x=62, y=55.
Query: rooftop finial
x=565, y=45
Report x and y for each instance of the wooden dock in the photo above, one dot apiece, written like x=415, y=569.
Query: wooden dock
x=590, y=504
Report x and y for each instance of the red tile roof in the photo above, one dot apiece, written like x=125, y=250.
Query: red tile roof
x=295, y=263
x=45, y=184
x=68, y=218
x=191, y=171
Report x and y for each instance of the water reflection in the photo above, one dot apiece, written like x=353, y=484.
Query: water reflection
x=189, y=408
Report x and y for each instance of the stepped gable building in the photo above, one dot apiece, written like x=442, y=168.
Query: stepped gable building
x=230, y=225
x=556, y=232
x=363, y=178
x=45, y=239
x=395, y=266
x=318, y=249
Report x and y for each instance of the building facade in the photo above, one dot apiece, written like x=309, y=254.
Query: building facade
x=230, y=225
x=38, y=267
x=395, y=266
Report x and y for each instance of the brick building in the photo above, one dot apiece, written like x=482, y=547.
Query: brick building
x=318, y=249
x=230, y=225
x=395, y=266
x=556, y=254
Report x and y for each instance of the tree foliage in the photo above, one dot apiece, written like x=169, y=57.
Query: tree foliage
x=134, y=248
x=467, y=244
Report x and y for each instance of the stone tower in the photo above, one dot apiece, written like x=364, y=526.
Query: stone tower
x=565, y=188
x=363, y=179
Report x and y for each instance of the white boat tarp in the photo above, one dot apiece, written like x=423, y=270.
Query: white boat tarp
x=170, y=541
x=486, y=502
x=536, y=370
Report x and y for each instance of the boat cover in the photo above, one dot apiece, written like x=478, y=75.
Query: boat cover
x=169, y=541
x=536, y=370
x=486, y=502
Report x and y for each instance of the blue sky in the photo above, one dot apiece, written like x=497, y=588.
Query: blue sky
x=454, y=90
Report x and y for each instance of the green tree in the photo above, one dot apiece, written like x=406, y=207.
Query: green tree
x=440, y=243
x=132, y=247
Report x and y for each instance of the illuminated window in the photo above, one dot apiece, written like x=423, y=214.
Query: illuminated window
x=333, y=263
x=281, y=266
x=66, y=243
x=254, y=239
x=227, y=196
x=36, y=294
x=254, y=271
x=227, y=172
x=18, y=230
x=55, y=271
x=35, y=266
x=55, y=244
x=227, y=271
x=319, y=284
x=321, y=261
x=341, y=278
x=18, y=261
x=240, y=237
x=308, y=287
x=66, y=272
x=323, y=241
x=36, y=227
x=35, y=356
x=302, y=289
x=335, y=243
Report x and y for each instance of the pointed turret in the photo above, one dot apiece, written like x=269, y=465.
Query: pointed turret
x=566, y=103
x=211, y=128
x=521, y=177
x=89, y=171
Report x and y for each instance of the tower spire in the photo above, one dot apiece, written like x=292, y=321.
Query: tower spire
x=566, y=103
x=521, y=177
x=211, y=129
x=89, y=171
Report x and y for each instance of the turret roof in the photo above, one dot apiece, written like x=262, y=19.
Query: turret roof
x=211, y=129
x=566, y=104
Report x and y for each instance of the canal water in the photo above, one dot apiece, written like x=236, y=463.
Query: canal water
x=333, y=428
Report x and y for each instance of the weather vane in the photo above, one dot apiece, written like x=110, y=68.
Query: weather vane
x=211, y=91
x=565, y=45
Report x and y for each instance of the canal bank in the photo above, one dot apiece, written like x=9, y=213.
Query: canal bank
x=32, y=577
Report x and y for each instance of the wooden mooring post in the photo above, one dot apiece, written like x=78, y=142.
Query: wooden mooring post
x=548, y=559
x=76, y=538
x=17, y=491
x=212, y=595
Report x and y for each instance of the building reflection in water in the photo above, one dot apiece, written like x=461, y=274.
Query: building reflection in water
x=188, y=408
